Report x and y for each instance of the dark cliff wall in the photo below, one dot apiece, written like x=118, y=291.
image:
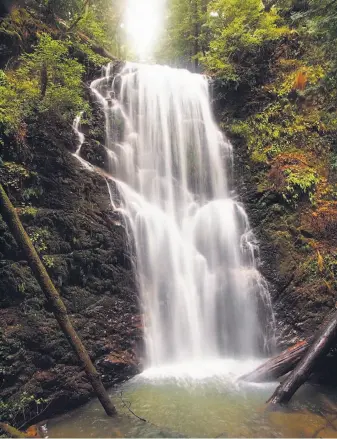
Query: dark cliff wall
x=67, y=213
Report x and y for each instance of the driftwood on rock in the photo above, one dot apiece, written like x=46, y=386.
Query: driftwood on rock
x=54, y=299
x=318, y=348
x=278, y=365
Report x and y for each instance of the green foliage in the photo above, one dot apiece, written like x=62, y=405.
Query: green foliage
x=322, y=267
x=219, y=33
x=92, y=27
x=49, y=261
x=263, y=131
x=322, y=19
x=38, y=238
x=330, y=267
x=15, y=174
x=47, y=82
x=20, y=407
x=100, y=22
x=31, y=193
x=22, y=288
x=28, y=211
x=285, y=125
x=63, y=77
x=12, y=104
x=16, y=169
x=316, y=22
x=289, y=81
x=238, y=29
x=322, y=23
x=299, y=181
x=3, y=78
x=90, y=56
x=47, y=78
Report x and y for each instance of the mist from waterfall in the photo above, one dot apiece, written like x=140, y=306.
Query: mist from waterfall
x=196, y=256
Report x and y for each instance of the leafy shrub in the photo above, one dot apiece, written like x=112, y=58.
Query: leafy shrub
x=63, y=77
x=238, y=28
x=47, y=82
x=15, y=101
x=293, y=178
x=295, y=75
x=28, y=211
x=23, y=407
x=48, y=261
x=90, y=56
x=38, y=238
x=15, y=174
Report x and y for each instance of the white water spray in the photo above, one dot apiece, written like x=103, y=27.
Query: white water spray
x=81, y=138
x=79, y=134
x=196, y=255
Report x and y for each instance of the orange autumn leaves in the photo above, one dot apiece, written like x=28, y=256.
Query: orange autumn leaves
x=301, y=80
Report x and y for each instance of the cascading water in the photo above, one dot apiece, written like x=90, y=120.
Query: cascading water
x=206, y=306
x=196, y=255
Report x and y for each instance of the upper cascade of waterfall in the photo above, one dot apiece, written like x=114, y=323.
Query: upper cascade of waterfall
x=201, y=291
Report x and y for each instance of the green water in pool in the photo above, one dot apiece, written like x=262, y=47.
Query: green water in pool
x=199, y=401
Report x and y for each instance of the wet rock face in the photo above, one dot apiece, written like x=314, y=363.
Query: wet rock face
x=67, y=213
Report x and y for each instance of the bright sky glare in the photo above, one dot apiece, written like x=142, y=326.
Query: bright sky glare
x=143, y=23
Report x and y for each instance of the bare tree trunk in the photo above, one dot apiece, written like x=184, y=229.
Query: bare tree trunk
x=320, y=346
x=15, y=226
x=279, y=365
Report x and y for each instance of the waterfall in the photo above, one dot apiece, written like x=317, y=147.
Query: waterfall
x=196, y=256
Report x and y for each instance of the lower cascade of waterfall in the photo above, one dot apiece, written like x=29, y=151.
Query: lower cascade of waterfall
x=196, y=256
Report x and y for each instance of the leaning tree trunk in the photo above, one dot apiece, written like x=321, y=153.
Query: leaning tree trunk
x=279, y=365
x=15, y=226
x=320, y=346
x=11, y=431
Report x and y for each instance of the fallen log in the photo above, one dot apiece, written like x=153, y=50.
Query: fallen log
x=279, y=365
x=318, y=348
